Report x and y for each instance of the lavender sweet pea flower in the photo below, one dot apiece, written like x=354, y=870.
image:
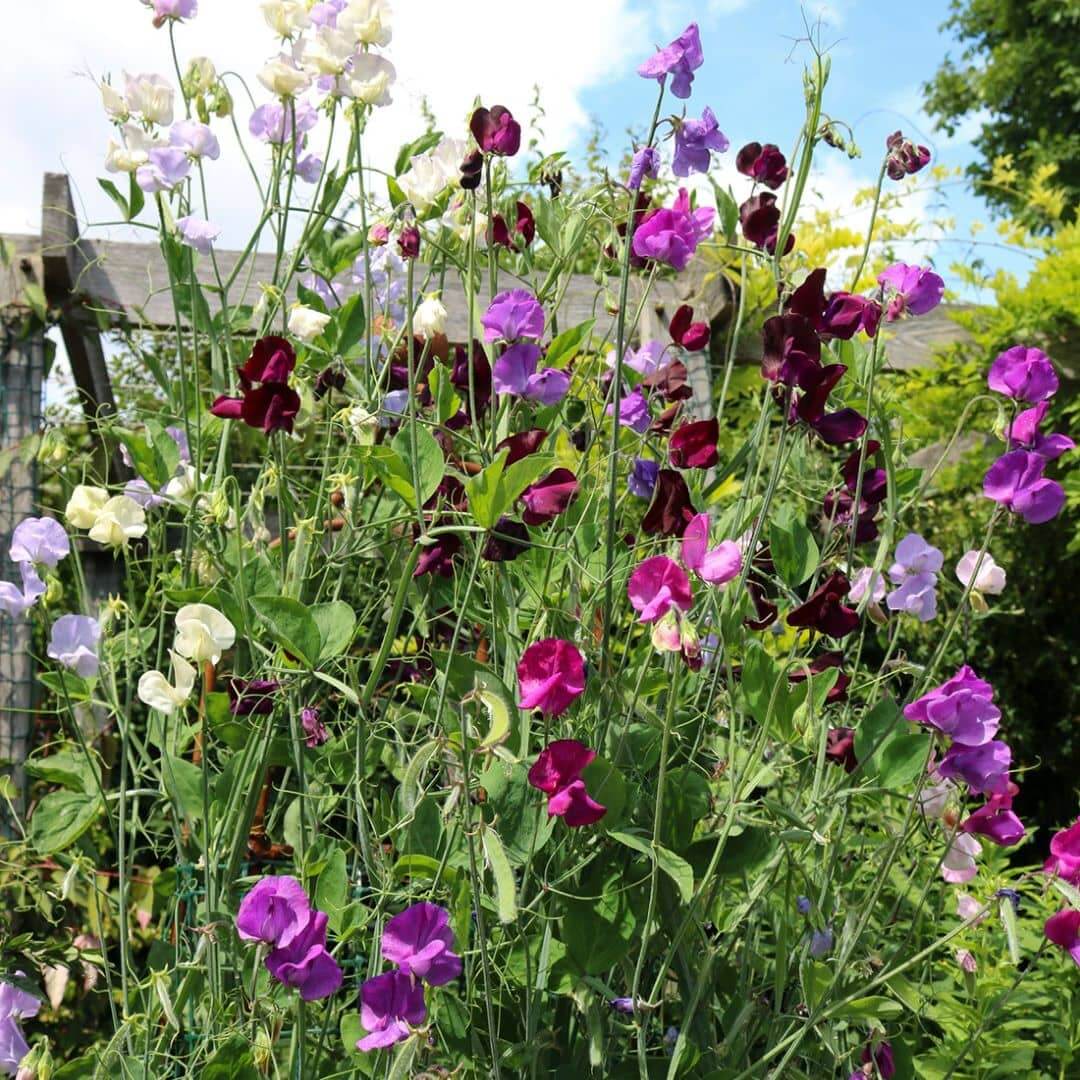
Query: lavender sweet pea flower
x=314, y=729
x=167, y=167
x=15, y=603
x=866, y=581
x=394, y=407
x=821, y=943
x=275, y=911
x=13, y=1046
x=513, y=314
x=74, y=643
x=547, y=387
x=680, y=60
x=198, y=233
x=642, y=481
x=694, y=139
x=645, y=361
x=512, y=370
x=420, y=942
x=273, y=123
x=915, y=572
x=633, y=412
x=309, y=168
x=389, y=1003
x=1023, y=373
x=195, y=139
x=139, y=491
x=40, y=540
x=326, y=12
x=1016, y=481
x=913, y=290
x=305, y=964
x=646, y=163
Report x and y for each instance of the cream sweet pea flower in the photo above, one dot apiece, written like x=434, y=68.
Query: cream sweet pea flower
x=984, y=575
x=84, y=506
x=202, y=633
x=432, y=172
x=368, y=22
x=120, y=519
x=149, y=96
x=182, y=487
x=285, y=17
x=370, y=78
x=133, y=152
x=306, y=323
x=328, y=52
x=158, y=693
x=364, y=425
x=430, y=317
x=283, y=78
x=114, y=102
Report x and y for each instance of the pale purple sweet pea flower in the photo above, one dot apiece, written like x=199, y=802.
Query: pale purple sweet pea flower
x=322, y=289
x=304, y=962
x=680, y=60
x=198, y=233
x=167, y=167
x=547, y=387
x=195, y=138
x=913, y=290
x=916, y=596
x=645, y=163
x=1016, y=481
x=646, y=360
x=179, y=436
x=389, y=1003
x=326, y=12
x=41, y=540
x=74, y=643
x=961, y=707
x=419, y=940
x=915, y=572
x=633, y=412
x=984, y=768
x=694, y=139
x=866, y=581
x=15, y=603
x=273, y=122
x=1024, y=434
x=1023, y=373
x=172, y=9
x=309, y=168
x=394, y=407
x=671, y=234
x=821, y=943
x=141, y=492
x=510, y=374
x=959, y=865
x=17, y=1003
x=274, y=911
x=513, y=314
x=643, y=474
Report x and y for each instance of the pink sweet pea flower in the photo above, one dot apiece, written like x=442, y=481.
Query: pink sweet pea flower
x=551, y=676
x=1063, y=929
x=389, y=1003
x=557, y=773
x=715, y=565
x=274, y=911
x=420, y=942
x=671, y=235
x=1023, y=373
x=958, y=865
x=656, y=585
x=1064, y=860
x=914, y=290
x=1016, y=481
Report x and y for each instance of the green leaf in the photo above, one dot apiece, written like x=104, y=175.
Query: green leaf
x=505, y=889
x=686, y=802
x=233, y=1060
x=870, y=1008
x=524, y=824
x=793, y=547
x=136, y=198
x=727, y=209
x=68, y=768
x=291, y=625
x=183, y=782
x=676, y=868
x=399, y=473
x=485, y=492
x=154, y=454
x=61, y=818
x=410, y=790
x=347, y=325
x=336, y=622
x=426, y=142
x=600, y=930
x=332, y=888
x=403, y=1059
x=900, y=755
x=568, y=343
x=111, y=190
x=606, y=785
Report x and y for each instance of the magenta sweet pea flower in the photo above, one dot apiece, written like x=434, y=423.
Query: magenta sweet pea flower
x=304, y=963
x=904, y=158
x=513, y=314
x=984, y=768
x=694, y=139
x=314, y=729
x=39, y=540
x=275, y=911
x=1024, y=434
x=73, y=642
x=1064, y=860
x=1016, y=481
x=961, y=707
x=715, y=565
x=557, y=773
x=1063, y=929
x=496, y=131
x=551, y=676
x=645, y=163
x=694, y=445
x=549, y=497
x=1023, y=373
x=389, y=1004
x=996, y=820
x=912, y=290
x=656, y=585
x=680, y=60
x=880, y=1055
x=419, y=940
x=671, y=235
x=633, y=412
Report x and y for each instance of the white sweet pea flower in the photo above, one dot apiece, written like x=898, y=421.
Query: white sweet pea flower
x=306, y=323
x=202, y=633
x=432, y=172
x=367, y=21
x=328, y=52
x=182, y=487
x=158, y=693
x=364, y=425
x=984, y=575
x=84, y=506
x=283, y=78
x=369, y=79
x=285, y=17
x=121, y=519
x=430, y=317
x=149, y=96
x=114, y=102
x=132, y=152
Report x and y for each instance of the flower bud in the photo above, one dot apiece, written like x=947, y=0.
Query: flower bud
x=409, y=242
x=200, y=77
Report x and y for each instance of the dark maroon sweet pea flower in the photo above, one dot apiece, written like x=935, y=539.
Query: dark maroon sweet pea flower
x=825, y=610
x=409, y=242
x=272, y=360
x=248, y=697
x=267, y=402
x=765, y=164
x=496, y=131
x=522, y=444
x=760, y=219
x=818, y=384
x=472, y=171
x=842, y=426
x=840, y=748
x=693, y=446
x=330, y=378
x=765, y=610
x=671, y=509
x=791, y=351
x=481, y=369
x=549, y=497
x=839, y=505
x=821, y=663
x=905, y=158
x=848, y=313
x=692, y=336
x=506, y=541
x=438, y=557
x=525, y=224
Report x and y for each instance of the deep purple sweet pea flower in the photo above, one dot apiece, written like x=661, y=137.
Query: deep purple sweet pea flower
x=549, y=496
x=791, y=351
x=825, y=610
x=15, y=603
x=197, y=233
x=759, y=217
x=74, y=643
x=496, y=131
x=389, y=1003
x=506, y=541
x=671, y=234
x=1023, y=373
x=765, y=164
x=671, y=508
x=168, y=165
x=694, y=139
x=847, y=313
x=985, y=768
x=645, y=163
x=961, y=707
x=642, y=481
x=252, y=697
x=882, y=1056
x=1016, y=481
x=420, y=942
x=557, y=773
x=624, y=1005
x=1063, y=929
x=633, y=412
x=39, y=540
x=513, y=314
x=680, y=60
x=305, y=963
x=1064, y=860
x=1024, y=434
x=275, y=911
x=913, y=290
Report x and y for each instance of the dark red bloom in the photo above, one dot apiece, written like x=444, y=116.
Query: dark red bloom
x=693, y=336
x=409, y=242
x=905, y=157
x=524, y=226
x=693, y=446
x=251, y=696
x=272, y=360
x=522, y=444
x=506, y=541
x=765, y=164
x=847, y=313
x=840, y=748
x=330, y=378
x=834, y=428
x=496, y=131
x=825, y=610
x=764, y=609
x=822, y=663
x=671, y=509
x=267, y=402
x=669, y=382
x=438, y=557
x=549, y=497
x=842, y=426
x=472, y=171
x=791, y=351
x=760, y=218
x=481, y=376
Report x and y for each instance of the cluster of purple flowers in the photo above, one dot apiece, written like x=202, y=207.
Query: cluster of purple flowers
x=35, y=543
x=420, y=942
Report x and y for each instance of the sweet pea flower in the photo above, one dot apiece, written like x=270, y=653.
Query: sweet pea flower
x=283, y=78
x=961, y=707
x=996, y=820
x=15, y=603
x=304, y=962
x=982, y=574
x=1024, y=434
x=84, y=505
x=821, y=943
x=765, y=164
x=642, y=480
x=195, y=139
x=1023, y=373
x=268, y=402
x=840, y=748
x=549, y=497
x=656, y=585
x=915, y=572
x=880, y=1056
x=167, y=166
x=314, y=729
x=273, y=123
x=1063, y=929
x=496, y=131
x=73, y=642
x=866, y=581
x=715, y=565
x=671, y=508
x=692, y=336
x=275, y=911
x=155, y=691
x=368, y=22
x=285, y=17
x=825, y=610
x=557, y=773
x=419, y=940
x=694, y=445
x=551, y=676
x=149, y=97
x=41, y=541
x=966, y=961
x=759, y=217
x=1064, y=860
x=694, y=139
x=198, y=233
x=172, y=9
x=119, y=520
x=959, y=865
x=203, y=633
x=389, y=1003
x=513, y=314
x=904, y=157
x=429, y=318
x=515, y=373
x=252, y=697
x=1016, y=481
x=369, y=79
x=984, y=768
x=671, y=234
x=680, y=60
x=645, y=163
x=307, y=323
x=395, y=405
x=309, y=168
x=634, y=412
x=912, y=290
x=15, y=1005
